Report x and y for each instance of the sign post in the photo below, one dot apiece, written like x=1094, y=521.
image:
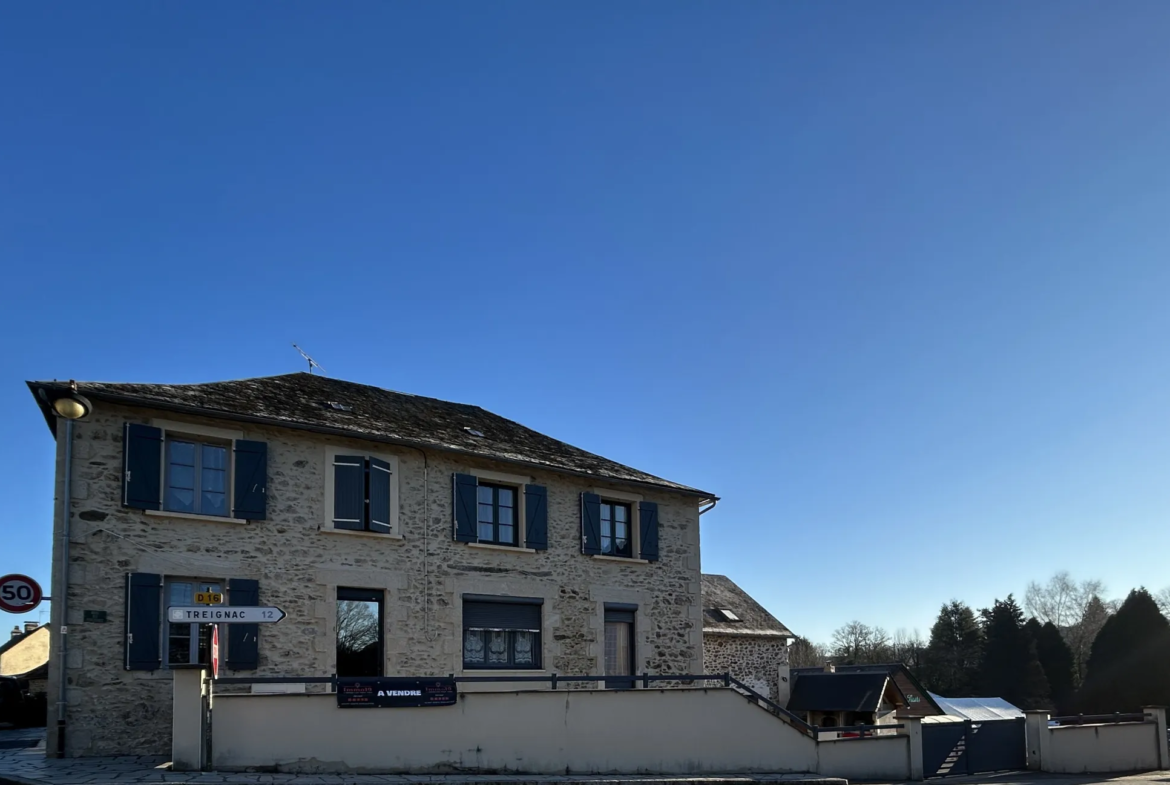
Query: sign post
x=19, y=593
x=224, y=614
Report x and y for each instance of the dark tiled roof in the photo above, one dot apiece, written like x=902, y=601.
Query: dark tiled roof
x=837, y=692
x=720, y=592
x=302, y=400
x=918, y=702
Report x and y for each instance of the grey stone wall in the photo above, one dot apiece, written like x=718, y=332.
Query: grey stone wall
x=754, y=660
x=424, y=574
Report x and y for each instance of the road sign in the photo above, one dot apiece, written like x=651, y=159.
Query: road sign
x=215, y=652
x=223, y=614
x=19, y=593
x=208, y=598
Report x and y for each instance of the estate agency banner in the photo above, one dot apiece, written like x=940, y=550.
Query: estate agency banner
x=394, y=693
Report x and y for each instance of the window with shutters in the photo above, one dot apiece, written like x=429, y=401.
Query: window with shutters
x=359, y=631
x=497, y=510
x=187, y=470
x=187, y=644
x=361, y=492
x=501, y=633
x=618, y=525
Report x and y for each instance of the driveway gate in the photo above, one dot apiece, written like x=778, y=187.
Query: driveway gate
x=968, y=747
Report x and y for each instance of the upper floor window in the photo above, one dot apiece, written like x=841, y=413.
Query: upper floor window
x=361, y=492
x=197, y=477
x=497, y=514
x=616, y=539
x=191, y=469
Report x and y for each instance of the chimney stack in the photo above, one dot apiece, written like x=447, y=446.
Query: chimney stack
x=16, y=632
x=30, y=626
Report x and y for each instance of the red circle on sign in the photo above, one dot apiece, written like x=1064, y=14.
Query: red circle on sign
x=19, y=593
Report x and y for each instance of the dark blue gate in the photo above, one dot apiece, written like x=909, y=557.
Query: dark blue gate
x=967, y=747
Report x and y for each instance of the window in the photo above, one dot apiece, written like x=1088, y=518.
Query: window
x=359, y=632
x=501, y=632
x=197, y=477
x=615, y=529
x=362, y=493
x=496, y=518
x=619, y=646
x=186, y=469
x=188, y=644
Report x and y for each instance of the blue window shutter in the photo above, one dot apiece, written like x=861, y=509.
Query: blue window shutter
x=251, y=481
x=142, y=467
x=143, y=621
x=243, y=640
x=648, y=529
x=536, y=517
x=349, y=492
x=466, y=487
x=590, y=523
x=379, y=485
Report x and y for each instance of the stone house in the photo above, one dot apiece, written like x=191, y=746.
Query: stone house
x=740, y=637
x=25, y=656
x=401, y=535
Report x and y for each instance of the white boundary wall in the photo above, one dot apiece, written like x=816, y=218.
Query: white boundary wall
x=664, y=731
x=1098, y=748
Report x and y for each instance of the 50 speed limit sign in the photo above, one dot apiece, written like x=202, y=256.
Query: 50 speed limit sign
x=19, y=593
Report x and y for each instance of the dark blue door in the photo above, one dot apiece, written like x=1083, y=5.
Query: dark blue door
x=997, y=745
x=944, y=749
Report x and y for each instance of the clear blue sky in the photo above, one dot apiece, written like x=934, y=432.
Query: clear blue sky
x=893, y=279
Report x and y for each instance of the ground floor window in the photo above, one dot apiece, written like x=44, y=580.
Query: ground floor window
x=501, y=632
x=619, y=646
x=188, y=644
x=359, y=632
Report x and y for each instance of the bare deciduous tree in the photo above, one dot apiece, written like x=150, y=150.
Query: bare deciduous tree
x=357, y=626
x=1163, y=600
x=1062, y=600
x=805, y=654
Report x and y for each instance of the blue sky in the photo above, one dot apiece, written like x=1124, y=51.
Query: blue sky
x=892, y=279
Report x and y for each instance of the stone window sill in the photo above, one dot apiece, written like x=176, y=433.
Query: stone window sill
x=622, y=559
x=192, y=516
x=353, y=533
x=491, y=546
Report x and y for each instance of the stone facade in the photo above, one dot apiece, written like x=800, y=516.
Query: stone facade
x=756, y=660
x=299, y=563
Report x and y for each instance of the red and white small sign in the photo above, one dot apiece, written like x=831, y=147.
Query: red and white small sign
x=19, y=593
x=215, y=651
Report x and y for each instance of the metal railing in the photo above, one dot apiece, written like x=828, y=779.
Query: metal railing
x=1100, y=719
x=552, y=679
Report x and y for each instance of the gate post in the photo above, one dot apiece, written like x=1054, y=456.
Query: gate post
x=1036, y=738
x=187, y=720
x=1157, y=715
x=912, y=729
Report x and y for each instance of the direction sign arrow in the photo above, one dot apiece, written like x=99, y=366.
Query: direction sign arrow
x=221, y=614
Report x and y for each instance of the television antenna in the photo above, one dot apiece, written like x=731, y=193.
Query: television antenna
x=312, y=363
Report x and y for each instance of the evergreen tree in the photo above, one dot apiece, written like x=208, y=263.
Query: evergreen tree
x=951, y=660
x=1057, y=660
x=1080, y=636
x=1011, y=668
x=1128, y=663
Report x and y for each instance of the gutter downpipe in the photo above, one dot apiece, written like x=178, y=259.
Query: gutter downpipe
x=714, y=500
x=63, y=599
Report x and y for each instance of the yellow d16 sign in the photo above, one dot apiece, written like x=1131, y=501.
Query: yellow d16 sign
x=208, y=598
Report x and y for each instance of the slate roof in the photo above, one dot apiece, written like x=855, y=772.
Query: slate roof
x=719, y=591
x=837, y=692
x=302, y=400
x=919, y=702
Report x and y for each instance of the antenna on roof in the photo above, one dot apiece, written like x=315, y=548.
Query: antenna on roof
x=312, y=363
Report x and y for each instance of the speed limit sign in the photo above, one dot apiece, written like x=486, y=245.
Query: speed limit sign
x=19, y=593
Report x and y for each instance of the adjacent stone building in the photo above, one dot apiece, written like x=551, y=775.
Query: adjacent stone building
x=742, y=638
x=401, y=535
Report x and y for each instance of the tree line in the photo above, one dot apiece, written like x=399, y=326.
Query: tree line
x=1067, y=649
